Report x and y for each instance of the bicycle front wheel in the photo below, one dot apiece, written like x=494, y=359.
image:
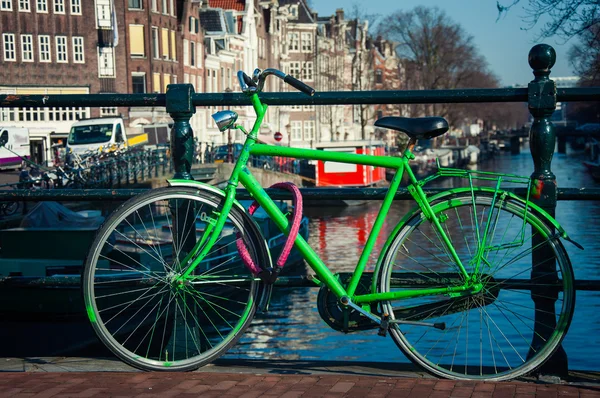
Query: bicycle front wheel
x=514, y=323
x=136, y=305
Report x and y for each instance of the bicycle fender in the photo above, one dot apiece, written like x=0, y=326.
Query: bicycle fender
x=263, y=304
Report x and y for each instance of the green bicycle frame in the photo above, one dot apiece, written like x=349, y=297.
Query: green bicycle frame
x=241, y=174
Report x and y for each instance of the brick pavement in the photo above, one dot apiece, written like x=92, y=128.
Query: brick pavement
x=225, y=385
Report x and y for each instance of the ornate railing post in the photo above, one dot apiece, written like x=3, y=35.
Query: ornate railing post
x=181, y=109
x=542, y=141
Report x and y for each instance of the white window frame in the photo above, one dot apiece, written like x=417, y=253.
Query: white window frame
x=164, y=8
x=155, y=43
x=296, y=130
x=186, y=52
x=106, y=62
x=294, y=69
x=78, y=50
x=141, y=7
x=27, y=48
x=139, y=74
x=199, y=55
x=45, y=49
x=41, y=6
x=308, y=71
x=24, y=6
x=59, y=41
x=154, y=6
x=9, y=47
x=293, y=42
x=171, y=8
x=306, y=42
x=75, y=7
x=103, y=14
x=309, y=130
x=59, y=6
x=6, y=5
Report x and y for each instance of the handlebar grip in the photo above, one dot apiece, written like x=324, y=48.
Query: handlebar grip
x=248, y=80
x=297, y=84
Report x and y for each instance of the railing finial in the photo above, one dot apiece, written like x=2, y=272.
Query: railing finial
x=542, y=58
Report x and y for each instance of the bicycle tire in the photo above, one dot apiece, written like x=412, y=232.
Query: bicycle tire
x=137, y=309
x=509, y=336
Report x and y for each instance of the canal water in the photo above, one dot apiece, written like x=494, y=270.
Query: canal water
x=293, y=329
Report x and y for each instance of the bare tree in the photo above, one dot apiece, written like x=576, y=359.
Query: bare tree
x=437, y=54
x=567, y=18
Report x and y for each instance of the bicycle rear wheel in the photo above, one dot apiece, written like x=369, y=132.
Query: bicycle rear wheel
x=514, y=323
x=136, y=306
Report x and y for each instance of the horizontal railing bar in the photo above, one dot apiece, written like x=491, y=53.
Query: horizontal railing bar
x=74, y=281
x=297, y=98
x=308, y=193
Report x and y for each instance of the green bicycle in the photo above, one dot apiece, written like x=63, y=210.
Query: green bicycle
x=473, y=283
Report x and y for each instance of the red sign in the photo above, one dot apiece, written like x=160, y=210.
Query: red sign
x=278, y=136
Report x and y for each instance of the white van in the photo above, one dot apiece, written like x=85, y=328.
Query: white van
x=93, y=134
x=17, y=140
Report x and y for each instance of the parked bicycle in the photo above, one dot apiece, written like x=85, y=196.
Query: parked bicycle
x=473, y=283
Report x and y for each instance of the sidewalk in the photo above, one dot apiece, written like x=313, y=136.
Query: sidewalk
x=224, y=385
x=71, y=377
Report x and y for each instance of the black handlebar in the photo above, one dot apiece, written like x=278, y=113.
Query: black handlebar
x=297, y=84
x=248, y=80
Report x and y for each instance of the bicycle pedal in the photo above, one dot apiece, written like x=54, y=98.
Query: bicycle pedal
x=384, y=325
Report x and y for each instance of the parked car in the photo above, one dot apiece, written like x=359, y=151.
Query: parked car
x=221, y=152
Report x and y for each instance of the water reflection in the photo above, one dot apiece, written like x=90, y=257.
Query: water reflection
x=294, y=330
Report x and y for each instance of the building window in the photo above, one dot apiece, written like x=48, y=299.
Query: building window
x=8, y=39
x=164, y=6
x=309, y=130
x=199, y=54
x=293, y=44
x=154, y=5
x=307, y=71
x=44, y=46
x=41, y=5
x=27, y=48
x=24, y=5
x=136, y=41
x=103, y=13
x=138, y=83
x=171, y=8
x=106, y=62
x=164, y=36
x=194, y=25
x=186, y=52
x=166, y=81
x=294, y=69
x=296, y=130
x=155, y=49
x=307, y=42
x=378, y=76
x=156, y=82
x=78, y=53
x=134, y=4
x=192, y=54
x=173, y=47
x=61, y=49
x=6, y=5
x=59, y=6
x=76, y=7
x=109, y=111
